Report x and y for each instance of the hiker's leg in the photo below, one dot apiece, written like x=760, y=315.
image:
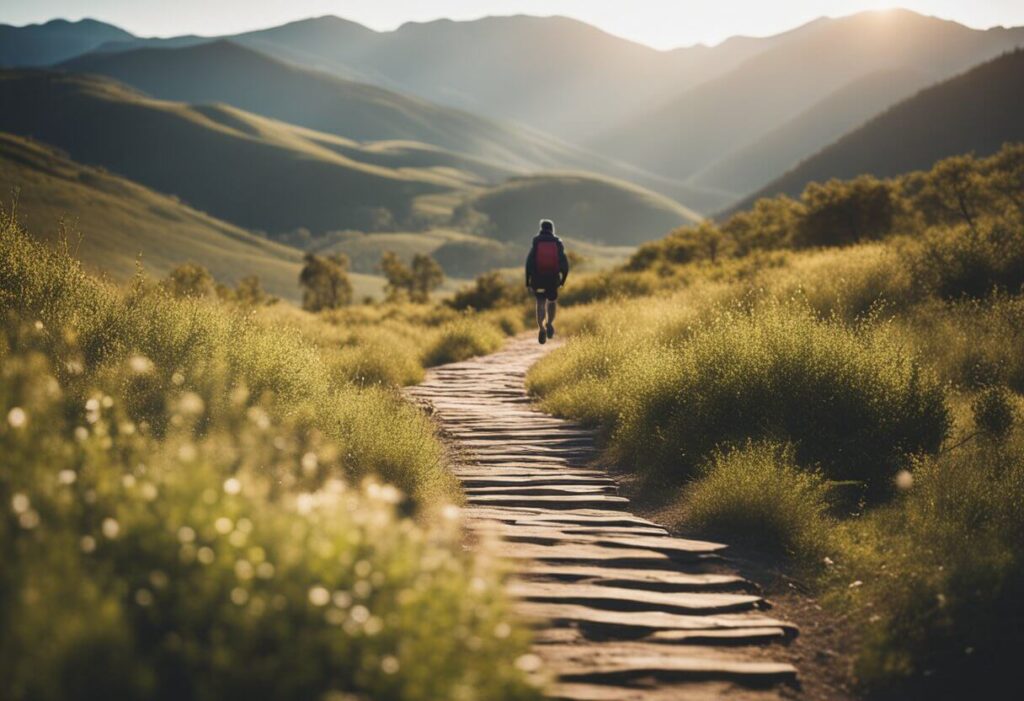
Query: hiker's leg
x=540, y=310
x=552, y=307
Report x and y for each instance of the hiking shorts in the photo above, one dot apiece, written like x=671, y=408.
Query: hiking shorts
x=550, y=294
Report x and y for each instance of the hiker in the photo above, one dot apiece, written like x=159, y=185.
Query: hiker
x=546, y=271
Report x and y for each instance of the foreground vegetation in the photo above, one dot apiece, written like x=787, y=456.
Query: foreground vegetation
x=200, y=501
x=837, y=379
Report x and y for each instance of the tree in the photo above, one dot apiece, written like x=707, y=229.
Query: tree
x=249, y=292
x=397, y=274
x=1005, y=174
x=427, y=276
x=840, y=213
x=190, y=280
x=489, y=291
x=325, y=282
x=953, y=189
x=413, y=283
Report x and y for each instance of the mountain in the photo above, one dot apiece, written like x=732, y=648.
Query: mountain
x=702, y=125
x=559, y=75
x=55, y=41
x=584, y=206
x=753, y=166
x=254, y=172
x=977, y=111
x=121, y=222
x=224, y=71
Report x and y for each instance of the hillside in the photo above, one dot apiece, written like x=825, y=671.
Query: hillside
x=977, y=111
x=556, y=74
x=226, y=72
x=692, y=131
x=54, y=41
x=756, y=164
x=251, y=171
x=583, y=206
x=121, y=222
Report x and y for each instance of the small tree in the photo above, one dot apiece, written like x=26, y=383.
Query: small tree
x=427, y=276
x=489, y=291
x=397, y=274
x=840, y=213
x=325, y=282
x=953, y=190
x=190, y=280
x=249, y=292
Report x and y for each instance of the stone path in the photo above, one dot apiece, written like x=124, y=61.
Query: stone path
x=623, y=611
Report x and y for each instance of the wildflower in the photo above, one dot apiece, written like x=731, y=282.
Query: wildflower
x=309, y=464
x=186, y=534
x=17, y=418
x=389, y=664
x=232, y=486
x=319, y=596
x=20, y=503
x=904, y=480
x=205, y=555
x=191, y=404
x=111, y=528
x=140, y=365
x=223, y=525
x=66, y=477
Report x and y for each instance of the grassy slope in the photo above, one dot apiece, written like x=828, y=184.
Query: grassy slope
x=227, y=72
x=121, y=222
x=766, y=91
x=752, y=166
x=224, y=71
x=980, y=111
x=248, y=170
x=584, y=206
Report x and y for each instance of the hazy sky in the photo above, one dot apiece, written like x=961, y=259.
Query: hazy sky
x=660, y=23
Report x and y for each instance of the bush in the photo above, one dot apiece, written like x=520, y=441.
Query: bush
x=489, y=291
x=946, y=608
x=969, y=261
x=756, y=494
x=993, y=412
x=462, y=339
x=852, y=401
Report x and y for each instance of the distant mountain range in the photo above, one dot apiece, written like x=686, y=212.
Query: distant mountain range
x=455, y=137
x=977, y=112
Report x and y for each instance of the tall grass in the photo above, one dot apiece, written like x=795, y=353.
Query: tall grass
x=851, y=400
x=200, y=504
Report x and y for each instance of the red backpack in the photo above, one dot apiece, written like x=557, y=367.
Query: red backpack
x=546, y=260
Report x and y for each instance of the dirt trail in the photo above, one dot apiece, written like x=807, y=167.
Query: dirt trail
x=623, y=611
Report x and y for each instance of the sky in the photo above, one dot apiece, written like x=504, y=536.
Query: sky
x=662, y=24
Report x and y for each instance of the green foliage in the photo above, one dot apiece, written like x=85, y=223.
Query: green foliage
x=325, y=282
x=190, y=280
x=840, y=213
x=489, y=291
x=415, y=282
x=969, y=260
x=853, y=401
x=181, y=519
x=945, y=610
x=757, y=494
x=994, y=413
x=463, y=338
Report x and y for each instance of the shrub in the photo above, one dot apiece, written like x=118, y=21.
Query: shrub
x=839, y=213
x=947, y=605
x=853, y=402
x=993, y=412
x=757, y=494
x=462, y=339
x=969, y=261
x=489, y=291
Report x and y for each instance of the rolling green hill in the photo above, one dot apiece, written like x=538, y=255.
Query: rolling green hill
x=977, y=111
x=700, y=126
x=121, y=222
x=251, y=171
x=583, y=206
x=54, y=41
x=226, y=72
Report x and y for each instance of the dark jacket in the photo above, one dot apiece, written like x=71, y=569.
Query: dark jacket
x=563, y=263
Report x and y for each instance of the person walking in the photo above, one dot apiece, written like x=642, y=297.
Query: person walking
x=547, y=268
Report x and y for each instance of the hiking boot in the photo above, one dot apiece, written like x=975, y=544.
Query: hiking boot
x=542, y=337
x=550, y=330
